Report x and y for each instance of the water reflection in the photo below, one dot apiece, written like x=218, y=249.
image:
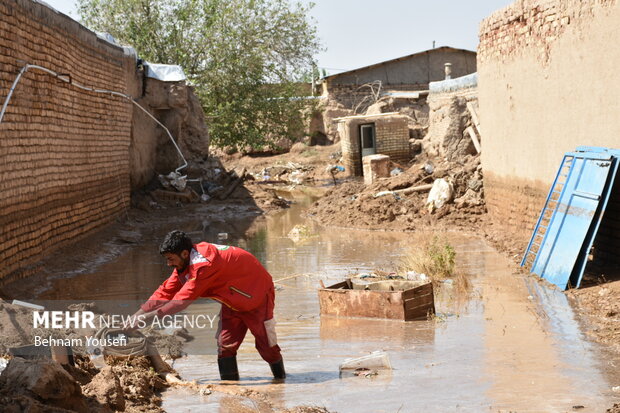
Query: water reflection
x=513, y=345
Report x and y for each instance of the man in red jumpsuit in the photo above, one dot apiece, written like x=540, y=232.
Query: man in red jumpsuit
x=235, y=278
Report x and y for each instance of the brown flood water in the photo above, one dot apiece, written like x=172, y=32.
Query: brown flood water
x=514, y=345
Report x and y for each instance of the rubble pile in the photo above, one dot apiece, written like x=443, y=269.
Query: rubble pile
x=217, y=185
x=402, y=200
x=41, y=384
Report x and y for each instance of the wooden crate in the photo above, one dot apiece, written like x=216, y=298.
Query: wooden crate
x=399, y=300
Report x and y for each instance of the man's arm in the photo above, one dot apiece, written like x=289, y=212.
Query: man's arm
x=191, y=290
x=164, y=293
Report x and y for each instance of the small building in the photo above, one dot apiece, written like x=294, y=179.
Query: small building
x=408, y=73
x=384, y=133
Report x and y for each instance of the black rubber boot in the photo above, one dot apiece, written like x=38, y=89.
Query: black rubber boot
x=228, y=368
x=277, y=369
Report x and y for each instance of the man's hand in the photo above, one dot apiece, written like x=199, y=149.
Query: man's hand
x=131, y=324
x=139, y=317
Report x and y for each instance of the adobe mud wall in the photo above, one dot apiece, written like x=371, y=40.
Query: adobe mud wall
x=64, y=153
x=448, y=118
x=547, y=84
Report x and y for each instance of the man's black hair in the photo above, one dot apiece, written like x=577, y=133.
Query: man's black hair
x=176, y=242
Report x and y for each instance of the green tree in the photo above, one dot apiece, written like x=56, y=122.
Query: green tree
x=245, y=57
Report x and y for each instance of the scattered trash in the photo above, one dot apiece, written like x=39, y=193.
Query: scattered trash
x=396, y=171
x=205, y=198
x=296, y=177
x=211, y=187
x=364, y=372
x=415, y=276
x=615, y=388
x=300, y=233
x=29, y=305
x=579, y=407
x=334, y=168
x=428, y=168
x=3, y=363
x=222, y=236
x=441, y=193
x=384, y=193
x=174, y=180
x=374, y=360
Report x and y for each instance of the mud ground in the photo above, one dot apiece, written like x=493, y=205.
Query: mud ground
x=351, y=204
x=347, y=204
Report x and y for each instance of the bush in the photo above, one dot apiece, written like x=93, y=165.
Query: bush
x=435, y=258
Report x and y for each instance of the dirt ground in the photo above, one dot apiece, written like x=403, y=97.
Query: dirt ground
x=133, y=386
x=381, y=206
x=352, y=204
x=127, y=384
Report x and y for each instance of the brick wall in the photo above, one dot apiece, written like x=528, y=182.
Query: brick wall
x=64, y=153
x=515, y=204
x=392, y=138
x=547, y=83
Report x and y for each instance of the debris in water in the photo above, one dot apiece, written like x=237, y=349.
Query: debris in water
x=364, y=372
x=376, y=360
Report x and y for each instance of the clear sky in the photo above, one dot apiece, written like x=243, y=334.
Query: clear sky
x=361, y=32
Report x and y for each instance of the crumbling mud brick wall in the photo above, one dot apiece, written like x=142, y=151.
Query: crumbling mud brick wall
x=391, y=134
x=151, y=152
x=64, y=153
x=547, y=84
x=448, y=119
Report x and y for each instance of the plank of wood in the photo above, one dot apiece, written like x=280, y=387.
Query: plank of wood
x=474, y=116
x=472, y=134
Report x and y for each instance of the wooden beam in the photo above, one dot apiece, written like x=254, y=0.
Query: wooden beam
x=472, y=134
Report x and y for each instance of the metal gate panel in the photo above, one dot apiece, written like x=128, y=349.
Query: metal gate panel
x=569, y=232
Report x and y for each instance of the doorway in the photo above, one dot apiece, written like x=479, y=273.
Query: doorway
x=368, y=141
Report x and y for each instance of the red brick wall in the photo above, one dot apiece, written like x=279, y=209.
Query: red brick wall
x=64, y=153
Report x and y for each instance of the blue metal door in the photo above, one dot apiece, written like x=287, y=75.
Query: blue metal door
x=569, y=234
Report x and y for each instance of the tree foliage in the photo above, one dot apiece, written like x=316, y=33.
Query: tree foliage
x=245, y=57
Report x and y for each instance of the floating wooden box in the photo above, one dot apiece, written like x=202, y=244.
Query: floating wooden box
x=399, y=300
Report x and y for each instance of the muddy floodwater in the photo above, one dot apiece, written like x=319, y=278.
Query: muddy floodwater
x=511, y=345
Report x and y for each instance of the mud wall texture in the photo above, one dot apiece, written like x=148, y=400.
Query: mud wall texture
x=151, y=152
x=547, y=84
x=447, y=120
x=391, y=134
x=64, y=153
x=408, y=73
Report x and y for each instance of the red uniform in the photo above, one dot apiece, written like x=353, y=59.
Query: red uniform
x=235, y=278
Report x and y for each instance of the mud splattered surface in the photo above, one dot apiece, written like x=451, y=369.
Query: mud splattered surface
x=504, y=348
x=381, y=205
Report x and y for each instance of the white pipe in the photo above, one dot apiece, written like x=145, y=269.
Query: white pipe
x=89, y=89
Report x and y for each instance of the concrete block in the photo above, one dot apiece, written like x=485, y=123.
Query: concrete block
x=375, y=167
